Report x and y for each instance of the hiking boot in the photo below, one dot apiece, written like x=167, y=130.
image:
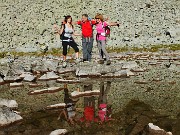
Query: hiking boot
x=101, y=61
x=108, y=62
x=64, y=65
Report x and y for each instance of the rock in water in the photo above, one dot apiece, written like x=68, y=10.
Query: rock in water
x=7, y=116
x=8, y=103
x=59, y=132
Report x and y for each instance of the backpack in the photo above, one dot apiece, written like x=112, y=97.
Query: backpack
x=107, y=30
x=62, y=34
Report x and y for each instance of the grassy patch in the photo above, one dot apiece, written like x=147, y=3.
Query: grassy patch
x=152, y=48
x=58, y=52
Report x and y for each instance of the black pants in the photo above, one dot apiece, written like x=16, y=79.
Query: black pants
x=70, y=43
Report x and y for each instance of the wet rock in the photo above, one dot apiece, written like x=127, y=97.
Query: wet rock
x=7, y=116
x=59, y=132
x=8, y=103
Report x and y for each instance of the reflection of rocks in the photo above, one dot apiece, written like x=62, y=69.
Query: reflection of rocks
x=76, y=94
x=8, y=103
x=47, y=90
x=7, y=116
x=12, y=85
x=55, y=106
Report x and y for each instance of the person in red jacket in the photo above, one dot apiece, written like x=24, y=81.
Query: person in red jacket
x=87, y=36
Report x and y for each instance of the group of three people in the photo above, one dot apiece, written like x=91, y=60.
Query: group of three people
x=67, y=32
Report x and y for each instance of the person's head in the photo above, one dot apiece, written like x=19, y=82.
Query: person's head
x=84, y=17
x=68, y=19
x=99, y=18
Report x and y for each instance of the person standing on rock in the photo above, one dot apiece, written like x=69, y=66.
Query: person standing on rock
x=101, y=37
x=66, y=33
x=87, y=36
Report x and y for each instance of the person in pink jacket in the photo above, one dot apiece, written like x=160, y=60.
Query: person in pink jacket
x=101, y=37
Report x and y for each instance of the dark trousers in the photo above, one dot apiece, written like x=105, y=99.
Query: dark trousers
x=87, y=45
x=71, y=44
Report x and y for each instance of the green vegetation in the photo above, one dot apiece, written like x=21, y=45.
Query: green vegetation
x=152, y=48
x=58, y=52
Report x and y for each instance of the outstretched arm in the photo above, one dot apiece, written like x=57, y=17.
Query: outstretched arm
x=113, y=24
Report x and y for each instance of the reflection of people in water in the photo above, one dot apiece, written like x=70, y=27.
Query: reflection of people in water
x=104, y=113
x=89, y=108
x=70, y=109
